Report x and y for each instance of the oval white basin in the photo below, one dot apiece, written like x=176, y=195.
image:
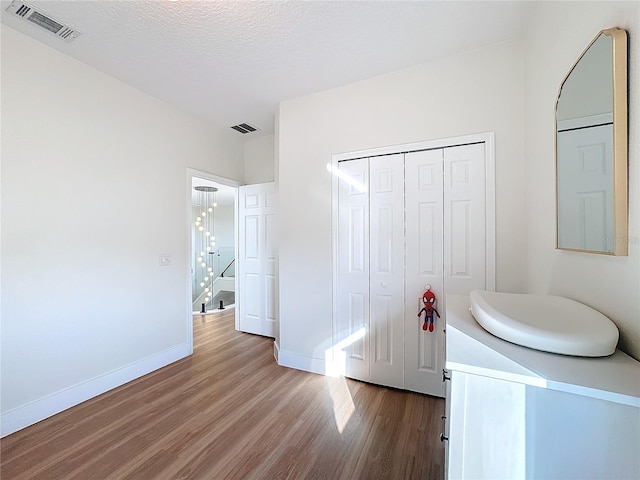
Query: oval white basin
x=545, y=322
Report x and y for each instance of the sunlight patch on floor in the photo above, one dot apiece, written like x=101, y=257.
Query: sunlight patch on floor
x=343, y=406
x=336, y=366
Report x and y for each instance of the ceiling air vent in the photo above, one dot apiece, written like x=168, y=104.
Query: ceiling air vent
x=37, y=17
x=244, y=128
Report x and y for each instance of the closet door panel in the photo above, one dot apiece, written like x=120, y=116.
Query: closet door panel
x=387, y=269
x=424, y=350
x=464, y=218
x=352, y=299
x=382, y=318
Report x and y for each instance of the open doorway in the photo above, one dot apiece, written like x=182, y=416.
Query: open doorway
x=213, y=232
x=221, y=215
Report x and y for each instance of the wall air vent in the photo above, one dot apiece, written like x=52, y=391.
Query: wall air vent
x=244, y=128
x=42, y=20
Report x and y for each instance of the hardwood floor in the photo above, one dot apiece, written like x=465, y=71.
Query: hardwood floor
x=229, y=411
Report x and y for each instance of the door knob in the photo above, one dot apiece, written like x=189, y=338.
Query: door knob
x=383, y=285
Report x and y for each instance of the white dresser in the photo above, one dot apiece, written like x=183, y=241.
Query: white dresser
x=515, y=413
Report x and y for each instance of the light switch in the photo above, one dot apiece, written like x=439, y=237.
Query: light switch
x=165, y=260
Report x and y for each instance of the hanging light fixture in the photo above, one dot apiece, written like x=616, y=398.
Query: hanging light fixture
x=203, y=234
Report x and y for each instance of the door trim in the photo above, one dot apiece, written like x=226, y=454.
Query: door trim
x=487, y=138
x=191, y=174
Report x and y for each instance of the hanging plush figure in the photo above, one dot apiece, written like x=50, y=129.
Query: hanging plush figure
x=429, y=301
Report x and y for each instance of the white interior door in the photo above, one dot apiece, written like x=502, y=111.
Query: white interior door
x=424, y=350
x=257, y=256
x=351, y=330
x=386, y=276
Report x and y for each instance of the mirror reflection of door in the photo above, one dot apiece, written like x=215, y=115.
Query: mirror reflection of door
x=585, y=202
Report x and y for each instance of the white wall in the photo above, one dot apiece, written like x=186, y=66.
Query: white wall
x=476, y=92
x=93, y=191
x=259, y=160
x=553, y=43
x=224, y=224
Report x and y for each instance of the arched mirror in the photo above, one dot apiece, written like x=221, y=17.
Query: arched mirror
x=591, y=149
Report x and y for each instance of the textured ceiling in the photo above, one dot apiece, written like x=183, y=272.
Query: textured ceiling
x=230, y=62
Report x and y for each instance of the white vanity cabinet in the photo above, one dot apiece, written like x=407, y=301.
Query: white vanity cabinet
x=518, y=413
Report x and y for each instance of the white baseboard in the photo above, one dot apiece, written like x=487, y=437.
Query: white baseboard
x=21, y=417
x=300, y=362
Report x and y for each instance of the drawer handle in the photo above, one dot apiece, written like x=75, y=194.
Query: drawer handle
x=443, y=438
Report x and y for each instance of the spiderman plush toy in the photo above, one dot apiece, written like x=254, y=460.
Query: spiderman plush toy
x=429, y=301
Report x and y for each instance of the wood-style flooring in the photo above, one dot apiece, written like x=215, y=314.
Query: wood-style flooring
x=229, y=411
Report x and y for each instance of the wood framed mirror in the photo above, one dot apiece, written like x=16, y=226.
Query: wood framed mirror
x=591, y=149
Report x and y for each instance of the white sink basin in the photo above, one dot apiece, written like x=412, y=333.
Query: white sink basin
x=545, y=322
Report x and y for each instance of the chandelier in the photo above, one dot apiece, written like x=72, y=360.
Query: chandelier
x=204, y=243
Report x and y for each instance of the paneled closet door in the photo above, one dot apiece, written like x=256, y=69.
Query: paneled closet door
x=464, y=219
x=406, y=221
x=424, y=350
x=351, y=330
x=386, y=277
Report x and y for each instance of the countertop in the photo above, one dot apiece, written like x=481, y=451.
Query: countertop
x=471, y=349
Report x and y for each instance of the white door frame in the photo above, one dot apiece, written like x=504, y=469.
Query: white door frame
x=488, y=138
x=191, y=174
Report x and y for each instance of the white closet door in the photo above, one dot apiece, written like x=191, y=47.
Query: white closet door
x=405, y=221
x=257, y=252
x=386, y=277
x=464, y=219
x=424, y=350
x=351, y=331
